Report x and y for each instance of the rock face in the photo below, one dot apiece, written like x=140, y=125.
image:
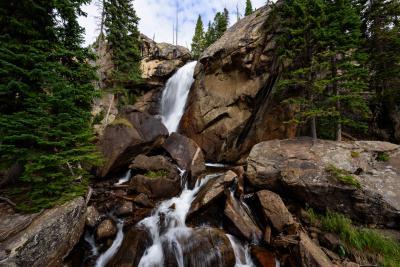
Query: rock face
x=311, y=254
x=317, y=175
x=128, y=136
x=230, y=107
x=47, y=239
x=163, y=183
x=186, y=153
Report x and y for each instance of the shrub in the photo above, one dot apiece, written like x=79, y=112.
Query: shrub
x=156, y=174
x=382, y=156
x=343, y=176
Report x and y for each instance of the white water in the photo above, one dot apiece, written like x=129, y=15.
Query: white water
x=125, y=178
x=89, y=238
x=106, y=256
x=174, y=96
x=174, y=212
x=217, y=165
x=242, y=254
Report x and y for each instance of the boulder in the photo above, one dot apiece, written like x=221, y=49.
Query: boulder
x=106, y=229
x=186, y=153
x=360, y=179
x=262, y=257
x=92, y=216
x=132, y=248
x=128, y=136
x=274, y=210
x=160, y=178
x=312, y=255
x=231, y=105
x=239, y=221
x=45, y=239
x=202, y=247
x=125, y=208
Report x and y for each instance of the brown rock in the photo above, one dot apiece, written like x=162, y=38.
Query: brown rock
x=300, y=167
x=186, y=153
x=267, y=234
x=262, y=257
x=92, y=216
x=239, y=221
x=106, y=229
x=311, y=255
x=144, y=200
x=229, y=109
x=125, y=208
x=274, y=210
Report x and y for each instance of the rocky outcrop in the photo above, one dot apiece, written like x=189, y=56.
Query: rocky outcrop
x=360, y=179
x=46, y=238
x=186, y=153
x=131, y=134
x=231, y=105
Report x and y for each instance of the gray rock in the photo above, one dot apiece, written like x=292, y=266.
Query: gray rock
x=106, y=229
x=47, y=239
x=92, y=216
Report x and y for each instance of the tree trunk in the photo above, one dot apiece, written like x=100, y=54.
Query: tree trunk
x=337, y=93
x=314, y=129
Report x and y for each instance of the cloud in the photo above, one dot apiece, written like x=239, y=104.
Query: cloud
x=157, y=17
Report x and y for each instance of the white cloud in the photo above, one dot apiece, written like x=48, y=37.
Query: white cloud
x=158, y=16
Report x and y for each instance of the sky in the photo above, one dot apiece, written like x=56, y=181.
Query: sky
x=158, y=16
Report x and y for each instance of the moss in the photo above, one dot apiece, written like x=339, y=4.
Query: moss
x=156, y=174
x=122, y=121
x=343, y=176
x=98, y=118
x=384, y=250
x=355, y=154
x=382, y=156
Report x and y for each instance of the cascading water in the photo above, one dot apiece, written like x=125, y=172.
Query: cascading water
x=109, y=253
x=174, y=96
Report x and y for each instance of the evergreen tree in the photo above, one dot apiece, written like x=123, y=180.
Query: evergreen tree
x=46, y=94
x=122, y=35
x=249, y=8
x=220, y=24
x=198, y=40
x=209, y=36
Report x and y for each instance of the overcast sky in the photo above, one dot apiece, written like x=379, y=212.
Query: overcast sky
x=157, y=17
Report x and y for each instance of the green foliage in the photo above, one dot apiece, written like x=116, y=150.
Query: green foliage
x=198, y=41
x=122, y=36
x=355, y=154
x=318, y=50
x=46, y=94
x=249, y=8
x=383, y=156
x=156, y=174
x=98, y=118
x=216, y=29
x=386, y=250
x=343, y=176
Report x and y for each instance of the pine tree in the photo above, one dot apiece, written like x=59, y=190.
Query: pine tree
x=46, y=94
x=198, y=40
x=220, y=24
x=249, y=8
x=209, y=36
x=122, y=35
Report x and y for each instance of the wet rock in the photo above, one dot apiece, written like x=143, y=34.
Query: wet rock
x=229, y=177
x=229, y=109
x=301, y=169
x=267, y=234
x=186, y=153
x=125, y=208
x=160, y=180
x=144, y=200
x=262, y=257
x=203, y=247
x=106, y=229
x=47, y=239
x=274, y=210
x=132, y=248
x=239, y=222
x=92, y=216
x=131, y=134
x=311, y=255
x=209, y=195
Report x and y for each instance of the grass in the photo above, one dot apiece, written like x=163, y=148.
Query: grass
x=122, y=121
x=355, y=154
x=385, y=250
x=383, y=156
x=343, y=176
x=156, y=174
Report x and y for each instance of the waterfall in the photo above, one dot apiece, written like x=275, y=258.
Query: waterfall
x=174, y=96
x=107, y=256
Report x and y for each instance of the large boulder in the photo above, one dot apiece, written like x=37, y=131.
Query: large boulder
x=159, y=179
x=131, y=134
x=360, y=179
x=231, y=105
x=186, y=153
x=46, y=238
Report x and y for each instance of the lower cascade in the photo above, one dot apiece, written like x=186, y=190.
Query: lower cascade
x=174, y=96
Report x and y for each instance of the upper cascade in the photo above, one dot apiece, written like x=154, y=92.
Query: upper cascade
x=174, y=96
